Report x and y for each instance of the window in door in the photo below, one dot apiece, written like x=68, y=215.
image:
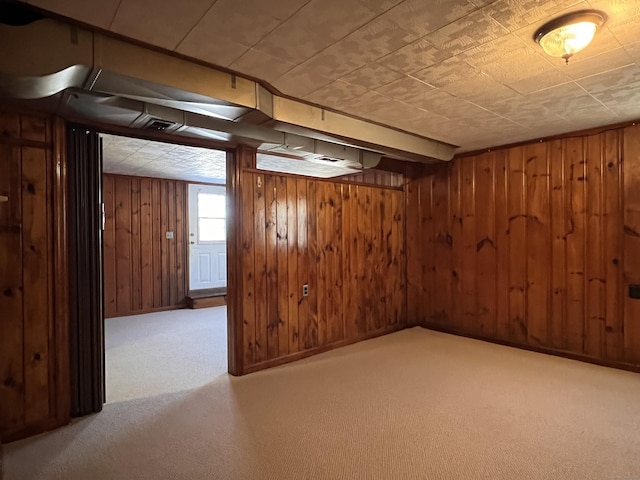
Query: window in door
x=211, y=218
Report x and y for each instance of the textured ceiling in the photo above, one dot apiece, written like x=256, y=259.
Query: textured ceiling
x=465, y=72
x=146, y=158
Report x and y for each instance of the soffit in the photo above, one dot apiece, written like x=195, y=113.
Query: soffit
x=464, y=72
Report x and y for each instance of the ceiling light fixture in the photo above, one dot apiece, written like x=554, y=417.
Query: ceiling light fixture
x=569, y=34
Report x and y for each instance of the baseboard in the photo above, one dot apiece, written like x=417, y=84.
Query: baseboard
x=148, y=310
x=539, y=349
x=206, y=302
x=317, y=350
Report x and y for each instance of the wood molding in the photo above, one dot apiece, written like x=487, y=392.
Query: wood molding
x=256, y=367
x=339, y=180
x=533, y=348
x=61, y=272
x=242, y=158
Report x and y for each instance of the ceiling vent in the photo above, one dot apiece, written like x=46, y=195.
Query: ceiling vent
x=159, y=125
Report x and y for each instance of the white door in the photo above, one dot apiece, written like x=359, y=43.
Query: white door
x=207, y=237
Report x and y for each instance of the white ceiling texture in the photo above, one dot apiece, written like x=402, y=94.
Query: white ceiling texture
x=466, y=72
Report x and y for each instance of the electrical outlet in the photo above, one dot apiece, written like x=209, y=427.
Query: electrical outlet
x=169, y=235
x=305, y=290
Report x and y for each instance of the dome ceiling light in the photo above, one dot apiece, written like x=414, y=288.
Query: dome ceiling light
x=567, y=35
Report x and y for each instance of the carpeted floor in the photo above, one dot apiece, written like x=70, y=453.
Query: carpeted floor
x=165, y=352
x=412, y=405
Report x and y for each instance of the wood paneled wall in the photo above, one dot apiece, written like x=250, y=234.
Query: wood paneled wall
x=33, y=305
x=143, y=270
x=346, y=242
x=534, y=245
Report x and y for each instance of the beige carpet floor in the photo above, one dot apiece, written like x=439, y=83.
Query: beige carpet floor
x=416, y=404
x=164, y=352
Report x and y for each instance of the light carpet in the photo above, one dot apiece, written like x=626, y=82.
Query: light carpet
x=415, y=404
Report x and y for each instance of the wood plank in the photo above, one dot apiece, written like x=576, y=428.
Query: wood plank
x=442, y=240
x=502, y=245
x=594, y=258
x=109, y=247
x=156, y=241
x=271, y=235
x=469, y=297
x=123, y=245
x=170, y=273
x=631, y=166
x=357, y=306
x=413, y=250
x=34, y=128
x=10, y=125
x=261, y=343
x=486, y=261
x=613, y=236
x=293, y=282
x=323, y=263
x=36, y=288
x=538, y=242
x=574, y=154
x=517, y=245
x=146, y=248
x=164, y=244
x=304, y=319
x=337, y=329
x=11, y=294
x=282, y=248
x=558, y=207
x=366, y=237
x=248, y=273
x=395, y=282
x=313, y=255
x=136, y=244
x=181, y=242
x=457, y=245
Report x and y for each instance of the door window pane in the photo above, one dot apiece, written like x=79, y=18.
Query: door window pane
x=211, y=205
x=212, y=230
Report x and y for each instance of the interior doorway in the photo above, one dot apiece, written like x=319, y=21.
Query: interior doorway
x=207, y=238
x=160, y=197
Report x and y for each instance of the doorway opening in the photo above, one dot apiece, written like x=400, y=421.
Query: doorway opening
x=164, y=244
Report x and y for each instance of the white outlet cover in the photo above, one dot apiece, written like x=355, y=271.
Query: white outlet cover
x=169, y=235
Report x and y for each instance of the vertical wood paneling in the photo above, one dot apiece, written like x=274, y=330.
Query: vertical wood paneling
x=248, y=273
x=538, y=242
x=631, y=156
x=143, y=270
x=574, y=154
x=109, y=247
x=34, y=320
x=36, y=284
x=260, y=209
x=271, y=252
x=346, y=242
x=544, y=245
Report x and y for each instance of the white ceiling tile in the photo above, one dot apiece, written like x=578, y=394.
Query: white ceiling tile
x=406, y=89
x=300, y=82
x=623, y=18
x=514, y=14
x=372, y=76
x=420, y=17
x=221, y=51
x=470, y=31
x=163, y=24
x=368, y=102
x=261, y=65
x=451, y=70
x=335, y=94
x=581, y=68
x=414, y=57
x=618, y=90
x=540, y=81
x=98, y=14
x=314, y=27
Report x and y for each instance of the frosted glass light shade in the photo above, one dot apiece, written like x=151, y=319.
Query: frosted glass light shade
x=569, y=34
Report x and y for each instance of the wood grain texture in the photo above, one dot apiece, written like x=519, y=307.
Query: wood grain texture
x=34, y=388
x=346, y=242
x=143, y=270
x=545, y=239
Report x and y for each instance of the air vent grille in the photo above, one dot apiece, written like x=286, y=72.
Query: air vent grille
x=159, y=125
